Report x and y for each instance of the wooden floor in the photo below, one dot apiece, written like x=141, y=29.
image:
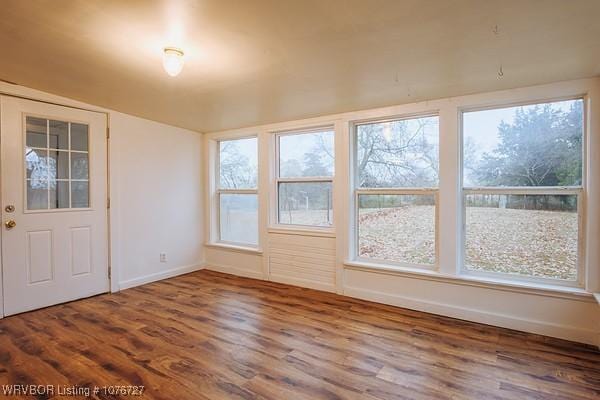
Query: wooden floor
x=208, y=335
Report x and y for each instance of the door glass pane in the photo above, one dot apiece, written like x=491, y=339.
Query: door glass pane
x=37, y=194
x=79, y=166
x=36, y=132
x=397, y=228
x=79, y=137
x=303, y=203
x=239, y=218
x=58, y=167
x=59, y=135
x=36, y=164
x=80, y=195
x=530, y=235
x=59, y=194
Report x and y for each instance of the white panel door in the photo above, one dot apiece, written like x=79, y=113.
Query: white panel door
x=54, y=216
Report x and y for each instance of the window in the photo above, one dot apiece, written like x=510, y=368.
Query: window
x=57, y=164
x=523, y=183
x=237, y=194
x=305, y=169
x=396, y=179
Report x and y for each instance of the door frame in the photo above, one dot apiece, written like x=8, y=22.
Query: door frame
x=113, y=287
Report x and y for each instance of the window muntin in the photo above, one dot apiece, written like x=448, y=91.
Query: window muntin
x=523, y=185
x=56, y=164
x=305, y=169
x=396, y=169
x=237, y=193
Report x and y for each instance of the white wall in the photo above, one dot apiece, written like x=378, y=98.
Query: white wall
x=304, y=257
x=156, y=195
x=156, y=182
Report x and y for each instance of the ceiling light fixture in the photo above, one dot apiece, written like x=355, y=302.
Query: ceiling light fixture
x=172, y=60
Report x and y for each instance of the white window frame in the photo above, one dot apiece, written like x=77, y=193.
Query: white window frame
x=357, y=191
x=220, y=191
x=579, y=191
x=316, y=179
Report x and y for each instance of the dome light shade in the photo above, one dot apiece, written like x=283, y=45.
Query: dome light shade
x=172, y=60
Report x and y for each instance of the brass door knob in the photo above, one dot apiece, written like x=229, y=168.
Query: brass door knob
x=10, y=224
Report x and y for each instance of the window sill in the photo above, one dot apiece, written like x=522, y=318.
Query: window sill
x=560, y=291
x=233, y=247
x=302, y=231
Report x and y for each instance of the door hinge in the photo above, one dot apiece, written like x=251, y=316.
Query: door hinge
x=107, y=132
x=109, y=273
x=108, y=203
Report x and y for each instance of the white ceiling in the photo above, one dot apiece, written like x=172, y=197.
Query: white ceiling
x=250, y=62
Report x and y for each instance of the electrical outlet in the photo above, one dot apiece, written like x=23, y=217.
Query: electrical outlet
x=163, y=257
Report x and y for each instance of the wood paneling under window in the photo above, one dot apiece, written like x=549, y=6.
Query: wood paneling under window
x=302, y=260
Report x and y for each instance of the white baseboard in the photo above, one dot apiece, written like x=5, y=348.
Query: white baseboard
x=159, y=276
x=227, y=269
x=505, y=321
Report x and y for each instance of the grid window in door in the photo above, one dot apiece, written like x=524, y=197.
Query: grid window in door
x=56, y=164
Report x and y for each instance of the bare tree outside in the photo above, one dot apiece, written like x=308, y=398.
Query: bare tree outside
x=237, y=170
x=401, y=153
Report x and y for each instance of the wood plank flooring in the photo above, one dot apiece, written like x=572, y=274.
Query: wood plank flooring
x=208, y=335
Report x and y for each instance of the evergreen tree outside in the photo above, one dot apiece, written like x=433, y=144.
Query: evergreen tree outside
x=540, y=147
